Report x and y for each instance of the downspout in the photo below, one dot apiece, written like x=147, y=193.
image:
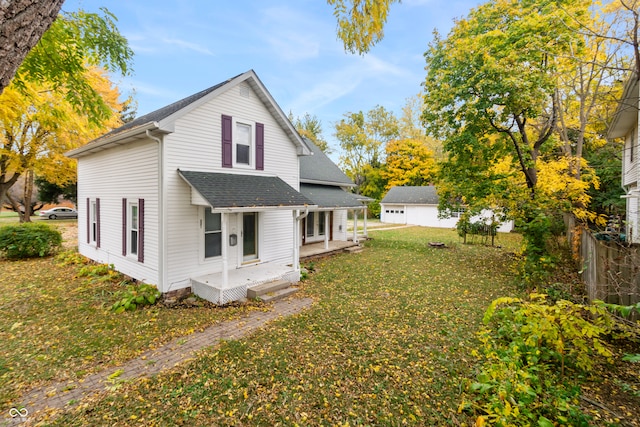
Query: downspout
x=296, y=239
x=161, y=210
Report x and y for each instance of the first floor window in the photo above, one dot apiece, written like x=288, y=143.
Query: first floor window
x=133, y=229
x=93, y=222
x=321, y=222
x=310, y=224
x=212, y=234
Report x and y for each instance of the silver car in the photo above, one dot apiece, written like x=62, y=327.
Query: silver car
x=55, y=213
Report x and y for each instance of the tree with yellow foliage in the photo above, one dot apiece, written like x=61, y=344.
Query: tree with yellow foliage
x=409, y=162
x=39, y=125
x=491, y=96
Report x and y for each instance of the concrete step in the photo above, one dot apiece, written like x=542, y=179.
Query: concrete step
x=279, y=294
x=266, y=288
x=354, y=249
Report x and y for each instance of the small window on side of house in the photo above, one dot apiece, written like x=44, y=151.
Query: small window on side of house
x=133, y=229
x=212, y=234
x=93, y=215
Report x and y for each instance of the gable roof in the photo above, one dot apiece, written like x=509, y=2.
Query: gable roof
x=226, y=191
x=424, y=195
x=162, y=121
x=626, y=114
x=320, y=169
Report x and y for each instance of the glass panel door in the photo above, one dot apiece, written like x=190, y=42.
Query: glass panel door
x=249, y=236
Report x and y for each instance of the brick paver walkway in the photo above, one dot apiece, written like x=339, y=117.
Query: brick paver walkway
x=59, y=395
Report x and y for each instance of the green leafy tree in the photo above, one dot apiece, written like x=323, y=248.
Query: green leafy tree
x=362, y=139
x=310, y=127
x=491, y=97
x=411, y=127
x=75, y=41
x=50, y=192
x=361, y=22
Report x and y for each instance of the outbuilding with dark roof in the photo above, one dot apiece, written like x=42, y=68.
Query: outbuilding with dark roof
x=418, y=205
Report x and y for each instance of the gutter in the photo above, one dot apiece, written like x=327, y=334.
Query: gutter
x=161, y=211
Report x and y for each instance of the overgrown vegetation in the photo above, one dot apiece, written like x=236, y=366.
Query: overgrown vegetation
x=532, y=353
x=28, y=240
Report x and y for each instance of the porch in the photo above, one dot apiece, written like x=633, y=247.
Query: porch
x=319, y=249
x=211, y=287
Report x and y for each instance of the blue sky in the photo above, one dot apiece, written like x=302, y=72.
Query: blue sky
x=182, y=47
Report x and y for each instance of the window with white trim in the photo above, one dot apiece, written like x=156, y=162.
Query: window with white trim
x=321, y=223
x=93, y=222
x=212, y=234
x=243, y=144
x=133, y=228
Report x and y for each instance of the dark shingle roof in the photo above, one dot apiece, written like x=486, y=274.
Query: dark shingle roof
x=319, y=168
x=164, y=112
x=331, y=197
x=425, y=195
x=224, y=190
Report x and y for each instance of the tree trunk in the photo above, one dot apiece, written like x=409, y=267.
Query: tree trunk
x=28, y=194
x=22, y=24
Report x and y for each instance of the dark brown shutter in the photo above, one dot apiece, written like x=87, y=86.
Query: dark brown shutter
x=98, y=222
x=259, y=146
x=227, y=142
x=140, y=230
x=88, y=220
x=124, y=227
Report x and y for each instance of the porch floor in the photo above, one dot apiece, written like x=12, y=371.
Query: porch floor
x=317, y=249
x=251, y=275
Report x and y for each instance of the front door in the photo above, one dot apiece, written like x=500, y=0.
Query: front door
x=249, y=236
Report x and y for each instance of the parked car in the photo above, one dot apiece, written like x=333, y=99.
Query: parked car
x=55, y=213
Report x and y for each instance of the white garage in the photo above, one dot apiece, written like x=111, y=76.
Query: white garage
x=419, y=206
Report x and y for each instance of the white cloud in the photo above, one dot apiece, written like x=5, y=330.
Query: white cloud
x=185, y=45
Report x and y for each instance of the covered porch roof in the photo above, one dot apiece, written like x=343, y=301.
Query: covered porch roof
x=332, y=197
x=226, y=192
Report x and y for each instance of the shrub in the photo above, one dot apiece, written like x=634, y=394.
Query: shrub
x=526, y=350
x=135, y=296
x=29, y=240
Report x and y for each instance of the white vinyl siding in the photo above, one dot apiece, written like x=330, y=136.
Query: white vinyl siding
x=340, y=225
x=195, y=145
x=108, y=176
x=131, y=172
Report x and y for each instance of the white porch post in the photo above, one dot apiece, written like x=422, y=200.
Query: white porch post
x=225, y=250
x=296, y=241
x=365, y=221
x=355, y=226
x=326, y=229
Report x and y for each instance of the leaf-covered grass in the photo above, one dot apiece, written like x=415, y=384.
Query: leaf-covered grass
x=387, y=342
x=56, y=326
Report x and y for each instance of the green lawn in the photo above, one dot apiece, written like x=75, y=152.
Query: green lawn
x=388, y=341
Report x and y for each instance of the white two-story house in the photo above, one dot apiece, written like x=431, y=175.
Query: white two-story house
x=202, y=194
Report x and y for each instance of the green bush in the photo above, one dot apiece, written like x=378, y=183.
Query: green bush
x=527, y=351
x=29, y=240
x=136, y=296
